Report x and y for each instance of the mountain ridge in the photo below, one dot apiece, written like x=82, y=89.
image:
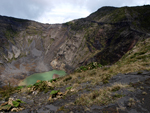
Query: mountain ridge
x=29, y=47
x=110, y=53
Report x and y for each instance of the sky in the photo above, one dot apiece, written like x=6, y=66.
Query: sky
x=59, y=11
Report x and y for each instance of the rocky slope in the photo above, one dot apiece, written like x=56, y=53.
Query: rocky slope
x=28, y=47
x=120, y=88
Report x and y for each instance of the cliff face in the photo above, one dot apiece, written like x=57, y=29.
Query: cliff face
x=28, y=47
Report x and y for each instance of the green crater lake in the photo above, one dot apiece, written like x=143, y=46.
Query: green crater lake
x=41, y=76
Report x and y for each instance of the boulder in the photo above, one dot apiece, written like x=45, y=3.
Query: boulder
x=10, y=101
x=55, y=76
x=38, y=81
x=10, y=55
x=16, y=51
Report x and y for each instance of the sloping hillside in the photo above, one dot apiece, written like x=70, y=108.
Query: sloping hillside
x=105, y=36
x=122, y=87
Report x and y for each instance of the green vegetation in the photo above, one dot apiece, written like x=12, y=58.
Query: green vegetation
x=42, y=86
x=100, y=97
x=7, y=106
x=105, y=81
x=139, y=54
x=116, y=88
x=68, y=23
x=74, y=25
x=80, y=24
x=53, y=80
x=143, y=16
x=19, y=87
x=10, y=34
x=88, y=76
x=29, y=86
x=6, y=91
x=20, y=101
x=54, y=92
x=102, y=12
x=68, y=88
x=134, y=60
x=15, y=103
x=90, y=66
x=118, y=15
x=117, y=96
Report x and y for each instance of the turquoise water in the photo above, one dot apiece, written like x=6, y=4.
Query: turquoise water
x=41, y=76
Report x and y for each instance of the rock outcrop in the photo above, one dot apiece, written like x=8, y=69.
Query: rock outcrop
x=55, y=76
x=105, y=36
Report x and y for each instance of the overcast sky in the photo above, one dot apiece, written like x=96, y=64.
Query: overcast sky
x=58, y=11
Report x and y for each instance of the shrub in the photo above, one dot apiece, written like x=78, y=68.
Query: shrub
x=42, y=86
x=38, y=83
x=19, y=87
x=15, y=103
x=54, y=92
x=52, y=80
x=93, y=65
x=29, y=86
x=6, y=91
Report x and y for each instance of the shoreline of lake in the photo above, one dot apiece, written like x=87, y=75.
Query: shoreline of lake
x=41, y=76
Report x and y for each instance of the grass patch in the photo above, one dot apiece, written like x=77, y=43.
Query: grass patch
x=135, y=60
x=90, y=66
x=117, y=96
x=29, y=86
x=100, y=97
x=126, y=64
x=115, y=88
x=42, y=86
x=6, y=91
x=19, y=87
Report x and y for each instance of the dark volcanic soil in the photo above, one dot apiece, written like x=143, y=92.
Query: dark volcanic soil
x=135, y=100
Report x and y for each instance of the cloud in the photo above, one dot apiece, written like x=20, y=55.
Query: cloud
x=21, y=8
x=58, y=11
x=64, y=13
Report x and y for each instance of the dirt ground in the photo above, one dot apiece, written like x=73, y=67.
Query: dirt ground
x=135, y=99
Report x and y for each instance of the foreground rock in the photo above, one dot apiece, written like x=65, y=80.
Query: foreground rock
x=12, y=105
x=131, y=99
x=55, y=76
